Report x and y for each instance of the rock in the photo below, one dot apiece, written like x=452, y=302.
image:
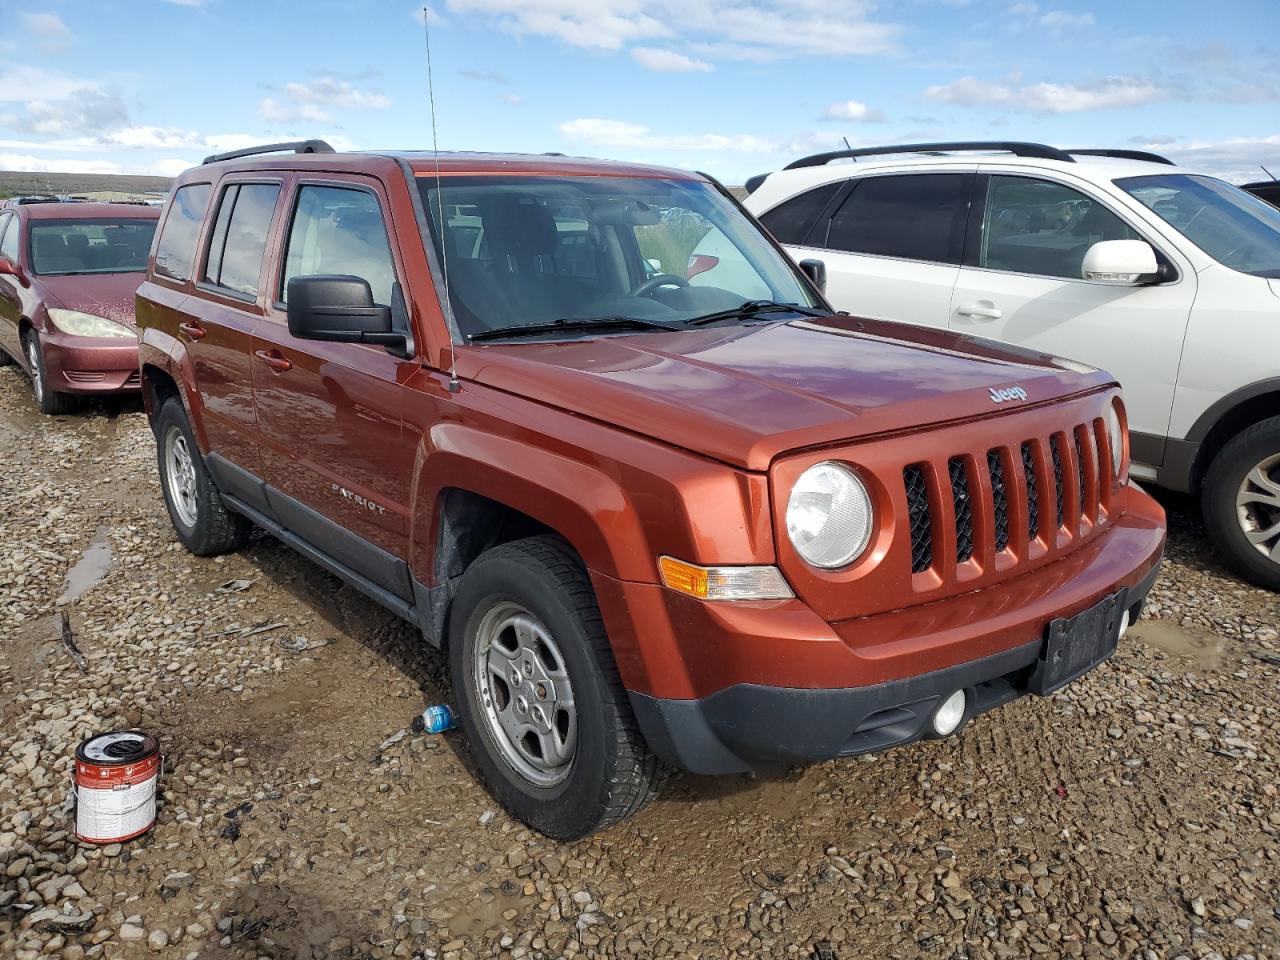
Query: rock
x=130, y=932
x=157, y=940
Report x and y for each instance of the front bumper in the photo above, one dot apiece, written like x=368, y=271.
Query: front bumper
x=749, y=726
x=89, y=364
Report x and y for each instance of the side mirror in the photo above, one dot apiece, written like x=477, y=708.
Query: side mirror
x=1126, y=263
x=816, y=271
x=340, y=309
x=10, y=269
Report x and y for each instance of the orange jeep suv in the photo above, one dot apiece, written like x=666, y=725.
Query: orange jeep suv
x=653, y=521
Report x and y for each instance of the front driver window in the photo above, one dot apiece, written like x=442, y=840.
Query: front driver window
x=339, y=231
x=1043, y=228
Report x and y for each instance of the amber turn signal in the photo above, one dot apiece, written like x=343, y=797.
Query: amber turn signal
x=723, y=583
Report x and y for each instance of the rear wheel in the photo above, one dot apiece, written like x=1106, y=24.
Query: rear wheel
x=202, y=521
x=539, y=696
x=48, y=400
x=1241, y=503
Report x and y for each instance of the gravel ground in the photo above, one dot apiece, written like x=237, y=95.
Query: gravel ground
x=1135, y=814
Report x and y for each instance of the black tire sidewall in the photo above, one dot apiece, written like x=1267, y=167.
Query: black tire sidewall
x=573, y=807
x=1218, y=502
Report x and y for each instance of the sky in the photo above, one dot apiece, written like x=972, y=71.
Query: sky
x=728, y=87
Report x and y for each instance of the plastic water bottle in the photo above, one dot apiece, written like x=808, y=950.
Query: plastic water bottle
x=435, y=719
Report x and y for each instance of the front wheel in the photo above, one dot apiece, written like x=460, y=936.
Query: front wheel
x=50, y=401
x=1241, y=503
x=539, y=696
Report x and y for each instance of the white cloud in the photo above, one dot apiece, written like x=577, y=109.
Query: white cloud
x=667, y=61
x=854, y=111
x=511, y=99
x=1050, y=97
x=1061, y=20
x=171, y=167
x=314, y=101
x=1238, y=160
x=32, y=164
x=738, y=29
x=53, y=33
x=186, y=3
x=621, y=135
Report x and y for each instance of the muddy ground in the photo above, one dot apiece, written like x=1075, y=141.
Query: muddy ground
x=1135, y=814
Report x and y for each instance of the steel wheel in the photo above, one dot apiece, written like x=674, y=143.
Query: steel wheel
x=1258, y=507
x=33, y=360
x=180, y=476
x=523, y=687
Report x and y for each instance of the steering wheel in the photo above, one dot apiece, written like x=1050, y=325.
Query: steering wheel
x=658, y=280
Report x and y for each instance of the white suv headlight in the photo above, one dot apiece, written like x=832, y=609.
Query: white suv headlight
x=1115, y=433
x=829, y=515
x=87, y=325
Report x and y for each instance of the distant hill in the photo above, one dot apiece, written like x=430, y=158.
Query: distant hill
x=14, y=183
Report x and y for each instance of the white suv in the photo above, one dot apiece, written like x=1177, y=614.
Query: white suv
x=1119, y=259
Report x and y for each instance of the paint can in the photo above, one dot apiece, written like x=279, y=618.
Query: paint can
x=115, y=786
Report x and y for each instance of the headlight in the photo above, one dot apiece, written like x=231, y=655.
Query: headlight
x=87, y=325
x=1115, y=433
x=829, y=515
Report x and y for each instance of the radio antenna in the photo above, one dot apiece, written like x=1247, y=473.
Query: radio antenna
x=440, y=221
x=1267, y=172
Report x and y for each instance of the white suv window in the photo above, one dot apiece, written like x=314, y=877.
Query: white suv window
x=917, y=217
x=1043, y=228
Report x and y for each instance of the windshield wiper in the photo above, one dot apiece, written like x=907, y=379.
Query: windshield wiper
x=750, y=309
x=568, y=323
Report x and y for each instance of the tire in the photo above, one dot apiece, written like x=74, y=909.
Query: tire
x=1241, y=497
x=50, y=402
x=610, y=772
x=202, y=521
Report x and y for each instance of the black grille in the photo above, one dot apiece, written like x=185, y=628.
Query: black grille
x=1033, y=491
x=1079, y=470
x=964, y=509
x=1057, y=476
x=1000, y=498
x=918, y=511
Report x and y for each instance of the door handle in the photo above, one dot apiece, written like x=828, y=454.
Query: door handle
x=274, y=359
x=192, y=330
x=980, y=311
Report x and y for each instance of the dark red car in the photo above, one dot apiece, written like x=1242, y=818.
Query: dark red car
x=68, y=275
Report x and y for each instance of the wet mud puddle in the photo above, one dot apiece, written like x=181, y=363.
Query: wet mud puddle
x=1189, y=643
x=89, y=569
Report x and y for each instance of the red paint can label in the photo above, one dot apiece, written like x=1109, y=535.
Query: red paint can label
x=117, y=802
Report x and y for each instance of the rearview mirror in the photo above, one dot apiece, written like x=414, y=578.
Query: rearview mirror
x=341, y=309
x=816, y=271
x=1125, y=263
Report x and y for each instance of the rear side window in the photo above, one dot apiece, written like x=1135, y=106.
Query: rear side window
x=339, y=230
x=918, y=217
x=177, y=248
x=790, y=222
x=240, y=236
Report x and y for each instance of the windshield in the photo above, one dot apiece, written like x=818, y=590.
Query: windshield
x=1236, y=229
x=537, y=250
x=90, y=246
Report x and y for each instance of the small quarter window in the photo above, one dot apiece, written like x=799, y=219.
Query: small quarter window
x=177, y=247
x=919, y=217
x=790, y=222
x=9, y=246
x=339, y=230
x=240, y=236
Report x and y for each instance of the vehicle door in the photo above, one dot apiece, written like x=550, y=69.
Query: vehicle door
x=892, y=247
x=213, y=320
x=329, y=414
x=10, y=298
x=1021, y=282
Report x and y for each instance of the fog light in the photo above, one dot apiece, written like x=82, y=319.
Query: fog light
x=1124, y=625
x=948, y=716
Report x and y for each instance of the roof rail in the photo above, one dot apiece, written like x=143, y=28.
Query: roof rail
x=292, y=146
x=1123, y=155
x=1007, y=146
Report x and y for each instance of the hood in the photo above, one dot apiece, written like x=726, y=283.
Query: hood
x=107, y=295
x=745, y=394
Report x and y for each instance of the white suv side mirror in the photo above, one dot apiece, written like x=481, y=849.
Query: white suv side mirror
x=1122, y=262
